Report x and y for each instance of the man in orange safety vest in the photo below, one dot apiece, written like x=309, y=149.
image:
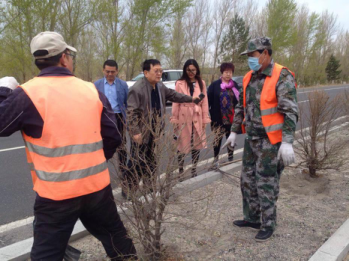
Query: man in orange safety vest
x=267, y=112
x=69, y=131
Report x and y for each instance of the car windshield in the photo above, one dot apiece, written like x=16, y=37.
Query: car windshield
x=139, y=76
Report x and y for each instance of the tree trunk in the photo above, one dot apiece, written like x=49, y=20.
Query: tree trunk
x=312, y=172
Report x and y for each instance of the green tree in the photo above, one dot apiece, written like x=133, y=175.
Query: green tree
x=22, y=20
x=75, y=16
x=235, y=41
x=145, y=30
x=178, y=44
x=280, y=20
x=110, y=27
x=306, y=27
x=332, y=69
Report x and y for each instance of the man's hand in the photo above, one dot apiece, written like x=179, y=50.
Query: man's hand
x=230, y=141
x=286, y=153
x=138, y=138
x=9, y=82
x=196, y=100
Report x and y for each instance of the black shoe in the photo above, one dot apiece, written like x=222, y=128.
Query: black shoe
x=215, y=164
x=264, y=235
x=243, y=223
x=230, y=159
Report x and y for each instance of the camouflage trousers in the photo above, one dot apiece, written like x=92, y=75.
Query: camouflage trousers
x=260, y=178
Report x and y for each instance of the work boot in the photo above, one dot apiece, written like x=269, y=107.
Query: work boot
x=264, y=235
x=71, y=254
x=244, y=223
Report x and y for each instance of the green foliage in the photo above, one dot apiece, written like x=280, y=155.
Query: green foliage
x=332, y=69
x=234, y=40
x=280, y=20
x=130, y=31
x=148, y=27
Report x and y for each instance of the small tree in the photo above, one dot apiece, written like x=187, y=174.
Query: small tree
x=318, y=149
x=234, y=40
x=152, y=188
x=332, y=69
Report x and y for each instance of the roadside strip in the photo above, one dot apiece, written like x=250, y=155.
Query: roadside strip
x=21, y=250
x=336, y=247
x=331, y=250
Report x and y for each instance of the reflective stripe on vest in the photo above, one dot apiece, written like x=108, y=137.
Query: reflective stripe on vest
x=271, y=119
x=68, y=160
x=63, y=151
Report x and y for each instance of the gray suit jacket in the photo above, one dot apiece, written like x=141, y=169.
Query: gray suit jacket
x=139, y=111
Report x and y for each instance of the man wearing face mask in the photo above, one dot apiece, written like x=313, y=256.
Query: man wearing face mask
x=267, y=112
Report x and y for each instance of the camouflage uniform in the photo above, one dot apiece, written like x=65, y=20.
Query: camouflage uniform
x=261, y=170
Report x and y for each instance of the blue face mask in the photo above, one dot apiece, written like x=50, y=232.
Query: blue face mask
x=254, y=64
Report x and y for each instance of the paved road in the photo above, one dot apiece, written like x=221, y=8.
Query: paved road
x=16, y=194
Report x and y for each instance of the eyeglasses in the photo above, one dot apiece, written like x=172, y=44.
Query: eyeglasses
x=191, y=71
x=158, y=71
x=71, y=54
x=110, y=72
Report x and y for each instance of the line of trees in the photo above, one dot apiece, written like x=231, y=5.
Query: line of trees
x=172, y=31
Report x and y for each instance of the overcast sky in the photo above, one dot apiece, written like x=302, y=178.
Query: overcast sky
x=338, y=7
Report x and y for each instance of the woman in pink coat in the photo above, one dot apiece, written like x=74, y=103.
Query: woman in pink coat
x=190, y=119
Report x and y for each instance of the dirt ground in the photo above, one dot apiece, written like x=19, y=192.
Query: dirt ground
x=200, y=223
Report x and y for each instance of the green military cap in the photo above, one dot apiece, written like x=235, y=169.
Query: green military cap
x=260, y=43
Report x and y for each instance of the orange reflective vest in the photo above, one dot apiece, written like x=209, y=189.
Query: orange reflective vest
x=272, y=120
x=68, y=160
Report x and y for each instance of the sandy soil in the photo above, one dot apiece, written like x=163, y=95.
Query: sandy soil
x=309, y=212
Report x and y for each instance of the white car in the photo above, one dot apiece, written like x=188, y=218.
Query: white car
x=169, y=78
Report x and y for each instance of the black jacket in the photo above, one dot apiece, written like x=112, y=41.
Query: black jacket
x=213, y=95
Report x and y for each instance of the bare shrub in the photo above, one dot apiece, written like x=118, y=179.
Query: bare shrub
x=317, y=149
x=150, y=183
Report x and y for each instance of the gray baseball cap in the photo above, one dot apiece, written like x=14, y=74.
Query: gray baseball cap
x=260, y=43
x=51, y=42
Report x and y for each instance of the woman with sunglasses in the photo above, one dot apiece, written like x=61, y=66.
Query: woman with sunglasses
x=190, y=119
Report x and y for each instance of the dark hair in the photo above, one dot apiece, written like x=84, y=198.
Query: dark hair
x=185, y=76
x=270, y=51
x=46, y=62
x=227, y=66
x=147, y=64
x=111, y=63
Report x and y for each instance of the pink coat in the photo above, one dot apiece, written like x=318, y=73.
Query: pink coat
x=185, y=114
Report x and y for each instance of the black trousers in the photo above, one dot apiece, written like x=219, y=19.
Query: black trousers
x=141, y=165
x=219, y=137
x=122, y=149
x=195, y=154
x=54, y=222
